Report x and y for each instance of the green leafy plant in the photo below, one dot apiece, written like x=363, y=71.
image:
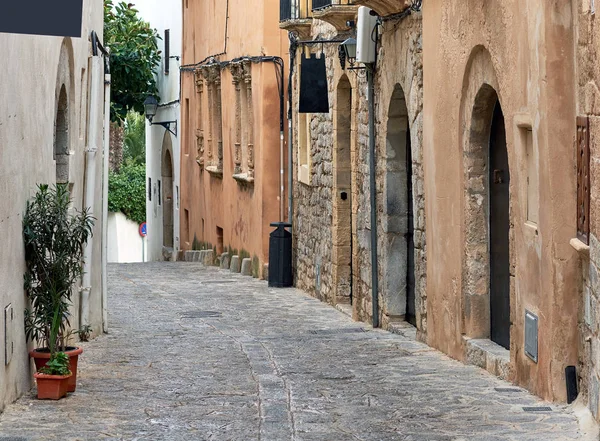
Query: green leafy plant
x=127, y=192
x=57, y=365
x=134, y=140
x=84, y=332
x=134, y=55
x=54, y=241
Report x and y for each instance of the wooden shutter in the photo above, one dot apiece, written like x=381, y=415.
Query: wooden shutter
x=583, y=178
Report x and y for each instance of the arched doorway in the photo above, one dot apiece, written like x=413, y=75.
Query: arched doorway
x=499, y=227
x=167, y=193
x=342, y=194
x=61, y=137
x=399, y=246
x=487, y=222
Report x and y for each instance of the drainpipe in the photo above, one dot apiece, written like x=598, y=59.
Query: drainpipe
x=90, y=182
x=105, y=201
x=373, y=190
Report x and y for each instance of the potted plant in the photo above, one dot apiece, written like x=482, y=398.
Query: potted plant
x=54, y=239
x=53, y=379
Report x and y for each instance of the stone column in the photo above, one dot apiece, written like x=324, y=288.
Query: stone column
x=248, y=82
x=218, y=116
x=236, y=72
x=200, y=125
x=207, y=76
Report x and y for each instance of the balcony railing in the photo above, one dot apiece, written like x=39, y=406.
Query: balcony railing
x=295, y=9
x=320, y=4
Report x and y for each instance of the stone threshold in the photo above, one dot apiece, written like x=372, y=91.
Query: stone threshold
x=488, y=355
x=404, y=329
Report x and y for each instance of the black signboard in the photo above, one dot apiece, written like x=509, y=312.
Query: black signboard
x=313, y=85
x=42, y=17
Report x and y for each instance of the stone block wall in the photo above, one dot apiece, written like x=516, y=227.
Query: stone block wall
x=399, y=63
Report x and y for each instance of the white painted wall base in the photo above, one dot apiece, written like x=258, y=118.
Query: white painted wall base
x=125, y=245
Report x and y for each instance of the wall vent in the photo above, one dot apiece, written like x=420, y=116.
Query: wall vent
x=531, y=335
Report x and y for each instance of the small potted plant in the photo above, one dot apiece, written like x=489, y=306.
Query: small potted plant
x=54, y=240
x=53, y=379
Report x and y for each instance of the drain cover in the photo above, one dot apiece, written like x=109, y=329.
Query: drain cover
x=209, y=282
x=336, y=331
x=200, y=314
x=12, y=438
x=538, y=409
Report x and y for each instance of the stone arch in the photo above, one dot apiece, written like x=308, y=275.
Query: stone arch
x=167, y=193
x=399, y=287
x=342, y=195
x=481, y=114
x=64, y=98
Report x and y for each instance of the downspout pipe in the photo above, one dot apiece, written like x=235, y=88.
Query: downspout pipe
x=373, y=191
x=107, y=83
x=90, y=181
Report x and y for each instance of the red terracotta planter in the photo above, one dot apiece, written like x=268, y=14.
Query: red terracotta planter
x=52, y=387
x=41, y=357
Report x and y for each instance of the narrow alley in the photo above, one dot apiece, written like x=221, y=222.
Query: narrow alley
x=199, y=353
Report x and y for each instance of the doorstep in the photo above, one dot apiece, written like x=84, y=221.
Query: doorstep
x=488, y=355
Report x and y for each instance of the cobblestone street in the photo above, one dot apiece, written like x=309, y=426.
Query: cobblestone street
x=199, y=353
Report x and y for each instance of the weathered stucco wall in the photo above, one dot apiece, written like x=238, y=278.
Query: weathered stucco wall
x=243, y=211
x=525, y=53
x=30, y=88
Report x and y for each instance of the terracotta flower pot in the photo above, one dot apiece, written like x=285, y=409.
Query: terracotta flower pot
x=41, y=357
x=52, y=387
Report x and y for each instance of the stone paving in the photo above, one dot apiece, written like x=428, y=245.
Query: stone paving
x=198, y=353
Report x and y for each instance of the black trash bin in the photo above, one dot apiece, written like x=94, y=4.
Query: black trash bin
x=280, y=256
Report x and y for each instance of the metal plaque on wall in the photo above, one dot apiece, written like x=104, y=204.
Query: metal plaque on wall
x=531, y=335
x=60, y=18
x=314, y=96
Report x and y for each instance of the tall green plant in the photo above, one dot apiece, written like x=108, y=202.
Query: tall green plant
x=134, y=55
x=54, y=242
x=127, y=191
x=134, y=141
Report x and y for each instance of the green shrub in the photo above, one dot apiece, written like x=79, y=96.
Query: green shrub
x=127, y=192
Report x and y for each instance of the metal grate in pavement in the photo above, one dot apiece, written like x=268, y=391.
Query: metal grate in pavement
x=209, y=282
x=336, y=331
x=12, y=438
x=200, y=314
x=537, y=409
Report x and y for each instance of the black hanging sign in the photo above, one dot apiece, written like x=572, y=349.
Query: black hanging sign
x=60, y=18
x=314, y=96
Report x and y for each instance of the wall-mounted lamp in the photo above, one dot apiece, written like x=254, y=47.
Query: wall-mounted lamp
x=150, y=108
x=349, y=47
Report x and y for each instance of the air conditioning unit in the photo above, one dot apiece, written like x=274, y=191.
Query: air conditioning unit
x=365, y=36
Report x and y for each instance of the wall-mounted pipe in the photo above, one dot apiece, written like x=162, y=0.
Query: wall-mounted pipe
x=97, y=73
x=373, y=191
x=105, y=201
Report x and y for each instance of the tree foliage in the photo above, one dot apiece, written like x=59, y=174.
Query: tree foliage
x=54, y=241
x=127, y=191
x=134, y=141
x=134, y=55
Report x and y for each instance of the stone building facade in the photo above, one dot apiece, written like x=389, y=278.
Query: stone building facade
x=587, y=242
x=331, y=192
x=497, y=102
x=46, y=130
x=232, y=133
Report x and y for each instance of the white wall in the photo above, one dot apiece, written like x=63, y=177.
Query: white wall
x=163, y=14
x=28, y=86
x=125, y=245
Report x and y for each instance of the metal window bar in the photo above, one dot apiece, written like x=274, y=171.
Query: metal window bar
x=295, y=9
x=320, y=4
